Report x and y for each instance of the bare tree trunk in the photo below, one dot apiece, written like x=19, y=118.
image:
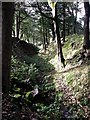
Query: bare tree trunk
x=1, y=59
x=56, y=27
x=18, y=24
x=64, y=15
x=7, y=16
x=86, y=26
x=33, y=39
x=68, y=29
x=75, y=19
x=73, y=26
x=59, y=46
x=53, y=32
x=47, y=42
x=44, y=40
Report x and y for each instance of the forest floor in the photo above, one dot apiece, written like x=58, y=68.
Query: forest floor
x=73, y=82
x=72, y=86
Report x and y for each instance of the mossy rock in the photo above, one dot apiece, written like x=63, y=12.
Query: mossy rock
x=21, y=47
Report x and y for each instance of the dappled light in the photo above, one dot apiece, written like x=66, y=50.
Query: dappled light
x=46, y=61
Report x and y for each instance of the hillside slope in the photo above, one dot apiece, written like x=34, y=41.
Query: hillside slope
x=42, y=90
x=73, y=82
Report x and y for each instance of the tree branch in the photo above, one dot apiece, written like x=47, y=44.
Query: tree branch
x=44, y=13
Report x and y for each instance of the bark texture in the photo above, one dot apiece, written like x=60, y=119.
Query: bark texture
x=7, y=21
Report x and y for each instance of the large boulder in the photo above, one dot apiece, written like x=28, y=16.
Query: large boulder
x=22, y=47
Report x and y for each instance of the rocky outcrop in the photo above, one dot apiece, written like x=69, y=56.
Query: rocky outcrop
x=24, y=48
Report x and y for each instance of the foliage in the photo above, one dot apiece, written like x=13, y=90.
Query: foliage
x=22, y=71
x=70, y=78
x=25, y=78
x=58, y=95
x=34, y=83
x=43, y=65
x=73, y=81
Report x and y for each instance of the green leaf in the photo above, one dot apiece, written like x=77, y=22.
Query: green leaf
x=27, y=94
x=17, y=96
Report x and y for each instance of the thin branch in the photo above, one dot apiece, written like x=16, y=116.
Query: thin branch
x=44, y=13
x=23, y=18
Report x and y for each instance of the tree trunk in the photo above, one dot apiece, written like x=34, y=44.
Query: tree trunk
x=47, y=42
x=64, y=15
x=33, y=39
x=75, y=19
x=53, y=32
x=44, y=40
x=73, y=25
x=68, y=30
x=86, y=26
x=18, y=24
x=7, y=16
x=1, y=59
x=56, y=27
x=59, y=47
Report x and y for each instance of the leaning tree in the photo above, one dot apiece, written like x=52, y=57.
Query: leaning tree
x=54, y=7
